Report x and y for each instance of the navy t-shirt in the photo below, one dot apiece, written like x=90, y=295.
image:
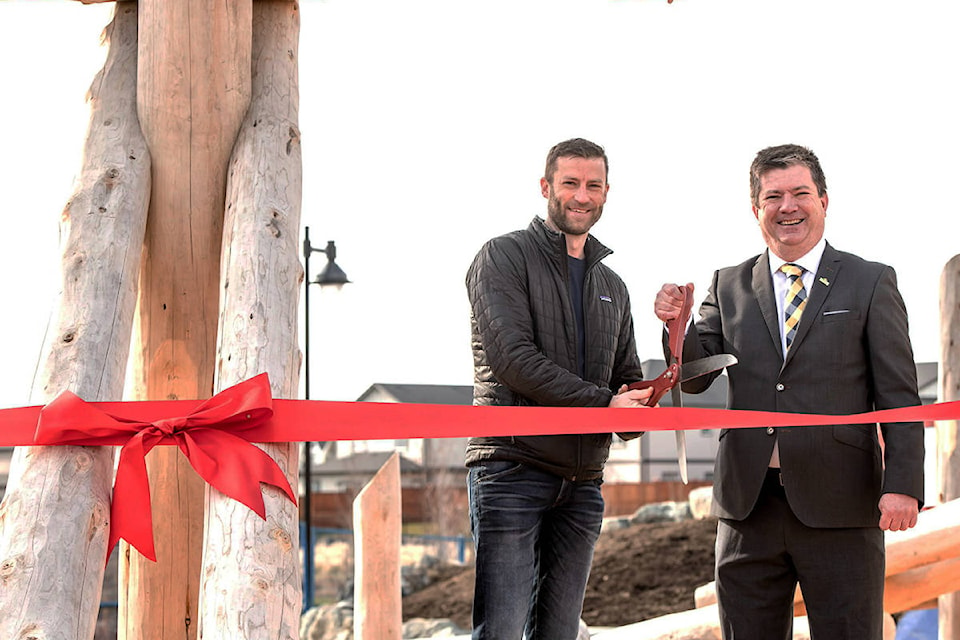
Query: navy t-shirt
x=577, y=270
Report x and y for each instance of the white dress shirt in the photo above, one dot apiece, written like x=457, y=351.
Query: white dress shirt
x=781, y=284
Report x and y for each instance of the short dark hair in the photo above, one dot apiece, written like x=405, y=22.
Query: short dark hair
x=574, y=148
x=781, y=157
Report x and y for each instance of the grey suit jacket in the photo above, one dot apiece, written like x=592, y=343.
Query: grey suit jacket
x=852, y=354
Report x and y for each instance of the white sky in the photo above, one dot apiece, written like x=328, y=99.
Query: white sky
x=425, y=124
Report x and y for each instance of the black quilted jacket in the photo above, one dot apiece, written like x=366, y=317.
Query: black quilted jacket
x=524, y=344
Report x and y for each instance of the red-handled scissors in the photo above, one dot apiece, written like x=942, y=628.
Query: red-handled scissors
x=677, y=372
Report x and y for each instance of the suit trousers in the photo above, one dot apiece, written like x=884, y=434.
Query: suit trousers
x=761, y=559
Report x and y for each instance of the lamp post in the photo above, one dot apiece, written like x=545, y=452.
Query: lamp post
x=330, y=276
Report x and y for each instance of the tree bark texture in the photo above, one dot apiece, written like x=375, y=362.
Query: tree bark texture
x=251, y=579
x=193, y=90
x=948, y=457
x=55, y=516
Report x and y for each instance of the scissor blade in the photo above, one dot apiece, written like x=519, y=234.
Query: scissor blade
x=681, y=436
x=703, y=366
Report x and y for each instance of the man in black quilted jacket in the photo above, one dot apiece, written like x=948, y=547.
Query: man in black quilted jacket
x=551, y=326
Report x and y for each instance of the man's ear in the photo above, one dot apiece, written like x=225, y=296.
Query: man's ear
x=545, y=188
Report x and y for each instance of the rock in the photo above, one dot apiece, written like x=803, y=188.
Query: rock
x=701, y=499
x=328, y=622
x=662, y=512
x=438, y=628
x=414, y=577
x=584, y=632
x=614, y=524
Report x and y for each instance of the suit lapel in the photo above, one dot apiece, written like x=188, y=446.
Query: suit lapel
x=763, y=292
x=824, y=279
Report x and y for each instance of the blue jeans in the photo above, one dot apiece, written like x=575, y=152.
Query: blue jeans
x=534, y=534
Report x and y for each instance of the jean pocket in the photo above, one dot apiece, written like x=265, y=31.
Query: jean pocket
x=494, y=470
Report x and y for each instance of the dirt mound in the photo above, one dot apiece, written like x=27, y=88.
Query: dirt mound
x=639, y=572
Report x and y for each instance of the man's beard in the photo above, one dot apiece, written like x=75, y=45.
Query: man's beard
x=555, y=213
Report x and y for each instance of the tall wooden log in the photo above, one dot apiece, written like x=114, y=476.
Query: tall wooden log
x=192, y=93
x=251, y=580
x=948, y=456
x=54, y=518
x=377, y=611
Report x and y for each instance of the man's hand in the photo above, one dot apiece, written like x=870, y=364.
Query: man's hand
x=669, y=301
x=630, y=397
x=898, y=512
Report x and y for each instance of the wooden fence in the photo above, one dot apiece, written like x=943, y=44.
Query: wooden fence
x=429, y=504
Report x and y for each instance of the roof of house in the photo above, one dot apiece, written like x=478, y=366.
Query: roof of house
x=363, y=463
x=714, y=397
x=418, y=393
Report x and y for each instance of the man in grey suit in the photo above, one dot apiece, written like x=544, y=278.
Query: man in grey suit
x=815, y=330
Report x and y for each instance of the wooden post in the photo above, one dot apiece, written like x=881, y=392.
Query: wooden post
x=53, y=520
x=377, y=613
x=192, y=93
x=251, y=580
x=948, y=457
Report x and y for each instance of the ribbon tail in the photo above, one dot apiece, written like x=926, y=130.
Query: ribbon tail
x=234, y=466
x=130, y=512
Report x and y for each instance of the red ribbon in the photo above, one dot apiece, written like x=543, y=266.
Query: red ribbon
x=216, y=434
x=209, y=436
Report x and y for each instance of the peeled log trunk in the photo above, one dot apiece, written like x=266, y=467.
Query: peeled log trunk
x=251, y=584
x=193, y=90
x=948, y=456
x=54, y=518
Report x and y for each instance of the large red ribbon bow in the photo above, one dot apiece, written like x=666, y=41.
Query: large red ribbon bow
x=206, y=436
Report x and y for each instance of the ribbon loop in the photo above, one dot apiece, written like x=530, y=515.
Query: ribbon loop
x=205, y=435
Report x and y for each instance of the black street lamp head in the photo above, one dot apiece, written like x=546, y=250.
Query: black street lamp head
x=331, y=275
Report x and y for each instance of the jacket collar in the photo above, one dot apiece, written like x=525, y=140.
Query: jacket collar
x=555, y=245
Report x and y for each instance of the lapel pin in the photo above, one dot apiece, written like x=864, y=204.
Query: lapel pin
x=825, y=282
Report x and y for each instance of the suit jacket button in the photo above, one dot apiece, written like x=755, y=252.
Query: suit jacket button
x=770, y=431
x=780, y=386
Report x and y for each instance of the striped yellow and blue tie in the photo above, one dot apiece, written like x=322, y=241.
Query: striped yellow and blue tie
x=795, y=301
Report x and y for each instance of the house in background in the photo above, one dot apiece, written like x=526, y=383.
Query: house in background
x=650, y=458
x=349, y=464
